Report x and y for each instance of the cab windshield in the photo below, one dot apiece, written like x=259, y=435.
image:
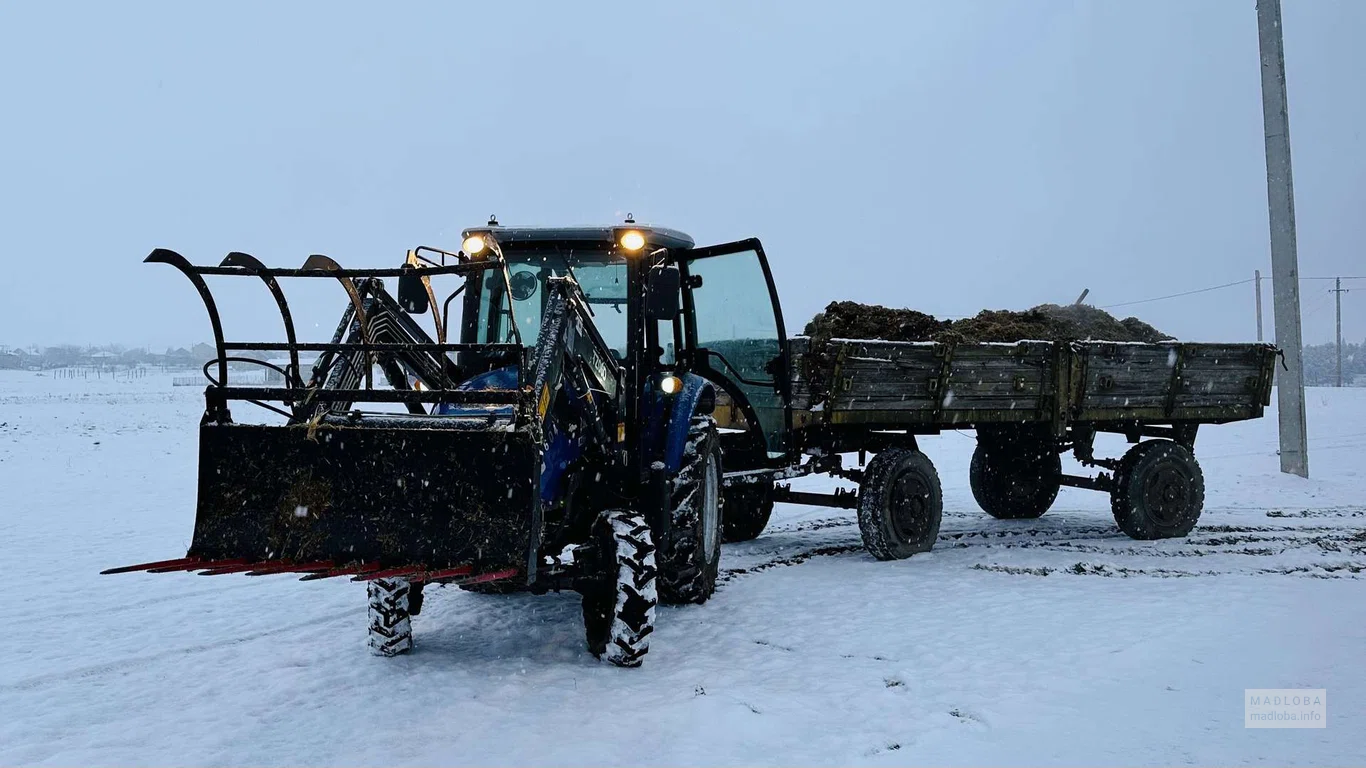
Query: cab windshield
x=602, y=278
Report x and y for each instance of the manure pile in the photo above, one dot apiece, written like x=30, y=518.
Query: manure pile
x=1046, y=322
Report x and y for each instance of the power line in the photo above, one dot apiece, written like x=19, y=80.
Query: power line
x=1176, y=295
x=1214, y=288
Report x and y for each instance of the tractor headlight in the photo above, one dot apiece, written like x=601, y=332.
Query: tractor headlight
x=473, y=245
x=632, y=240
x=670, y=385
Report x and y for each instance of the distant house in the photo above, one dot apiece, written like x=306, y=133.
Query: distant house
x=179, y=356
x=202, y=353
x=11, y=360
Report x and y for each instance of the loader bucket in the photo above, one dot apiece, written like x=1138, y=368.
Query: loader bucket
x=424, y=495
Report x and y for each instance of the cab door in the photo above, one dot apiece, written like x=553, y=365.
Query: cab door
x=734, y=336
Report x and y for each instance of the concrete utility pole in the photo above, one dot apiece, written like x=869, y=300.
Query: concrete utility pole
x=1257, y=278
x=1285, y=271
x=1339, y=290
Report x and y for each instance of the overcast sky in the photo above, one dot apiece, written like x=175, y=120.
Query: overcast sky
x=947, y=156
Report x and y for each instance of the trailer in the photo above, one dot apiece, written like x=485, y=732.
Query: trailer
x=1029, y=402
x=620, y=401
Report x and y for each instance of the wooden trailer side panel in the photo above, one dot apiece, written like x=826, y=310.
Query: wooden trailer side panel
x=891, y=385
x=903, y=383
x=1170, y=381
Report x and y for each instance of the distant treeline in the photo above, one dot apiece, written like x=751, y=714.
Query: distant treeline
x=108, y=356
x=1321, y=361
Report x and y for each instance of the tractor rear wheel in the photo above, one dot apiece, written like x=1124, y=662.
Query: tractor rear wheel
x=1015, y=475
x=900, y=504
x=748, y=508
x=1158, y=491
x=391, y=626
x=619, y=591
x=690, y=553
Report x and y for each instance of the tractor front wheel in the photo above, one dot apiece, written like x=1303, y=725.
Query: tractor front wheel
x=391, y=625
x=619, y=593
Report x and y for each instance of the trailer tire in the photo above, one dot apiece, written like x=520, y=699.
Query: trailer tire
x=900, y=504
x=1015, y=481
x=391, y=626
x=1158, y=491
x=619, y=600
x=748, y=509
x=690, y=553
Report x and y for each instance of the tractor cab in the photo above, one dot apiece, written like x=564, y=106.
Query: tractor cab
x=669, y=312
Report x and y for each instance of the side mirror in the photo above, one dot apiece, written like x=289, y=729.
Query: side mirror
x=662, y=287
x=412, y=293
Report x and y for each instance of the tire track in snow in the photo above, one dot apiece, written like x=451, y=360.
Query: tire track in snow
x=1211, y=540
x=152, y=601
x=134, y=662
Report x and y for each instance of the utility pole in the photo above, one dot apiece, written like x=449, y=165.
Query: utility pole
x=1285, y=272
x=1339, y=290
x=1257, y=278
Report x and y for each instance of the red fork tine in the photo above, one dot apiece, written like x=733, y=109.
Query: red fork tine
x=199, y=564
x=407, y=570
x=151, y=565
x=237, y=568
x=349, y=570
x=320, y=565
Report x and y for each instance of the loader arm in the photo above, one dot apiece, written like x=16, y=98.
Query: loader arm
x=571, y=360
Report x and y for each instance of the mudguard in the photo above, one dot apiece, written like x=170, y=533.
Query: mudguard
x=680, y=410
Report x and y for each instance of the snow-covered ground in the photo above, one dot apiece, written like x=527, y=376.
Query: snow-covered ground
x=1055, y=640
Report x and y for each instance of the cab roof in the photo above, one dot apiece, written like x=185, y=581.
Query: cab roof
x=656, y=237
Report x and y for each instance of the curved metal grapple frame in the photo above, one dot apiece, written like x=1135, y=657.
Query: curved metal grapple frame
x=252, y=264
x=167, y=256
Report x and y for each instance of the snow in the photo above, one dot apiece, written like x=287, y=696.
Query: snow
x=1055, y=640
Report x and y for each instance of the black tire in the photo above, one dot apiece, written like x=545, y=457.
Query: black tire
x=748, y=508
x=690, y=555
x=391, y=627
x=1158, y=492
x=1015, y=479
x=900, y=504
x=619, y=603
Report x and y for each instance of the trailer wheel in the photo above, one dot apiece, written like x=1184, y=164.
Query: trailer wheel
x=619, y=597
x=748, y=508
x=900, y=504
x=1158, y=491
x=1015, y=480
x=690, y=554
x=391, y=627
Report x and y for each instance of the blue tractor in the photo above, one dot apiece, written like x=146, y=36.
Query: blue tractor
x=567, y=441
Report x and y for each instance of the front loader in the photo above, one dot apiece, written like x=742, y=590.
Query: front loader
x=556, y=446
